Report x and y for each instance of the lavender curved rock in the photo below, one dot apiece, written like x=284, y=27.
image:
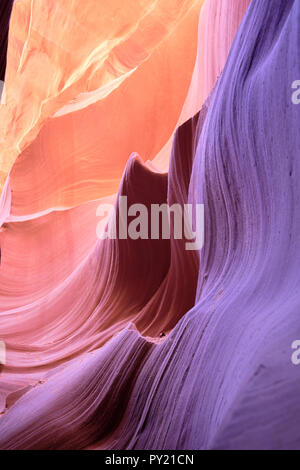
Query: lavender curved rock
x=223, y=377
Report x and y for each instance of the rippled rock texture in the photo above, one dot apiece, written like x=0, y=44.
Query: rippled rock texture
x=141, y=344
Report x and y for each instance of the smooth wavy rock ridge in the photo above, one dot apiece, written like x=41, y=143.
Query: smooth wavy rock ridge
x=141, y=344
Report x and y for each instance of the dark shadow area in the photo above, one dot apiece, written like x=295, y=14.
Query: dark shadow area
x=5, y=12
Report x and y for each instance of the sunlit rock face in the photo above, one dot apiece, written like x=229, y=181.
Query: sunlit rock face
x=141, y=344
